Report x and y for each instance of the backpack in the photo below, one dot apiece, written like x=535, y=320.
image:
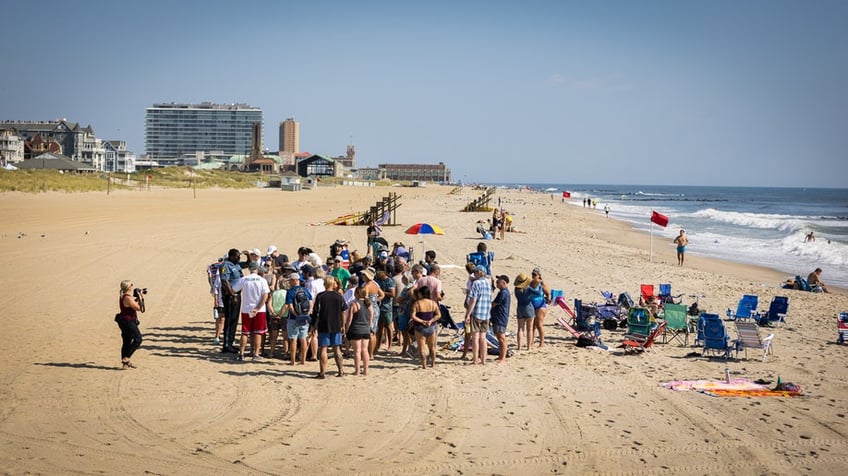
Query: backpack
x=300, y=303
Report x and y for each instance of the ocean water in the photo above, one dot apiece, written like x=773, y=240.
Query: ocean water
x=752, y=225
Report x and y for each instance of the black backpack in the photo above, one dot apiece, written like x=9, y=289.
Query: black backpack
x=300, y=302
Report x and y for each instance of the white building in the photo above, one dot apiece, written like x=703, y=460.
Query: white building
x=117, y=158
x=11, y=147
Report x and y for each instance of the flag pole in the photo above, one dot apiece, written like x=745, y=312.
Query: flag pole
x=651, y=258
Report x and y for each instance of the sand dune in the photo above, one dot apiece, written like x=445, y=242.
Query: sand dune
x=188, y=409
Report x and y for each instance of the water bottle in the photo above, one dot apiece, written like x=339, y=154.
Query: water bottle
x=726, y=375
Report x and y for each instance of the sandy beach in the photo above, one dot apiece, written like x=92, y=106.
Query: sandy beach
x=189, y=409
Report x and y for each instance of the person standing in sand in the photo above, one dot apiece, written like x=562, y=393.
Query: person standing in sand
x=478, y=314
x=127, y=321
x=254, y=320
x=681, y=241
x=328, y=321
x=297, y=325
x=524, y=311
x=540, y=296
x=358, y=329
x=424, y=316
x=500, y=315
x=230, y=274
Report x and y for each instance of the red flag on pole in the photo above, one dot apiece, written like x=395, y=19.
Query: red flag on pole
x=659, y=219
x=566, y=194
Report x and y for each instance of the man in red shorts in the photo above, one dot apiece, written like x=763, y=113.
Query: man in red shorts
x=254, y=294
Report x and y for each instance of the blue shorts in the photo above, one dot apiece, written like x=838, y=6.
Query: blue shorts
x=328, y=339
x=498, y=329
x=295, y=331
x=403, y=322
x=681, y=249
x=526, y=311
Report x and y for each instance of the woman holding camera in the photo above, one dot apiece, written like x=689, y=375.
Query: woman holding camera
x=127, y=320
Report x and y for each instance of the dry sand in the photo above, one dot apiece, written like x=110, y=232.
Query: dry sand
x=67, y=408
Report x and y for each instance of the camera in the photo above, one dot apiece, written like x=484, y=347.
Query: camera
x=138, y=294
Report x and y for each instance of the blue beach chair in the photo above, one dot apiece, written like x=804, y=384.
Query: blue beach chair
x=746, y=309
x=716, y=339
x=776, y=313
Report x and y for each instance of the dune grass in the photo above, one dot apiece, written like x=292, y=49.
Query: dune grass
x=39, y=181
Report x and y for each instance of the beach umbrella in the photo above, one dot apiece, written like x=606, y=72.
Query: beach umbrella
x=424, y=229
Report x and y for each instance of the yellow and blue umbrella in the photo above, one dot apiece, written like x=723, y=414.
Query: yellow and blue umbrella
x=424, y=229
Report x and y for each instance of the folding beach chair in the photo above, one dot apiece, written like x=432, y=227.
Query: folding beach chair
x=776, y=313
x=748, y=337
x=665, y=296
x=746, y=309
x=446, y=321
x=560, y=301
x=676, y=323
x=638, y=330
x=646, y=291
x=716, y=340
x=842, y=327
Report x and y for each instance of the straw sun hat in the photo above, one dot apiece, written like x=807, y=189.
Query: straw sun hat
x=522, y=281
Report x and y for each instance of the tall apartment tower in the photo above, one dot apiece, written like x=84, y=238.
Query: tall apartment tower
x=290, y=136
x=171, y=130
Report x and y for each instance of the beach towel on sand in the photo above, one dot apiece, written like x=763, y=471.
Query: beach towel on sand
x=739, y=387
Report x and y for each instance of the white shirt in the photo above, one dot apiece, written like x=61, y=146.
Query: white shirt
x=254, y=289
x=314, y=286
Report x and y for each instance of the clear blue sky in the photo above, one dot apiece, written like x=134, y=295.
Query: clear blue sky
x=633, y=92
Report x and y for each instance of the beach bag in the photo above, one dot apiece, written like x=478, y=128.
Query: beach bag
x=801, y=284
x=625, y=301
x=584, y=341
x=693, y=310
x=300, y=303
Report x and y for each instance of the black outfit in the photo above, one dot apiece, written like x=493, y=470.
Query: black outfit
x=328, y=312
x=130, y=335
x=360, y=325
x=232, y=313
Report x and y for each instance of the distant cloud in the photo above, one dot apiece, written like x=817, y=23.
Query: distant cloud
x=609, y=82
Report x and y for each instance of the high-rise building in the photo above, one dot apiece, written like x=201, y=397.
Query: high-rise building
x=290, y=136
x=171, y=130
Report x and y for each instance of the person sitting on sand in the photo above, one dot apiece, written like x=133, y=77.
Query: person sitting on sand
x=815, y=282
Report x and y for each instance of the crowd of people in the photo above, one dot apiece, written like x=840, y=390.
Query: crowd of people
x=359, y=306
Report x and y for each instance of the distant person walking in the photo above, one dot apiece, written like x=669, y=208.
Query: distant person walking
x=606, y=210
x=681, y=241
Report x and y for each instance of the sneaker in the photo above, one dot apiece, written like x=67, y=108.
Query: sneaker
x=216, y=341
x=240, y=358
x=256, y=357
